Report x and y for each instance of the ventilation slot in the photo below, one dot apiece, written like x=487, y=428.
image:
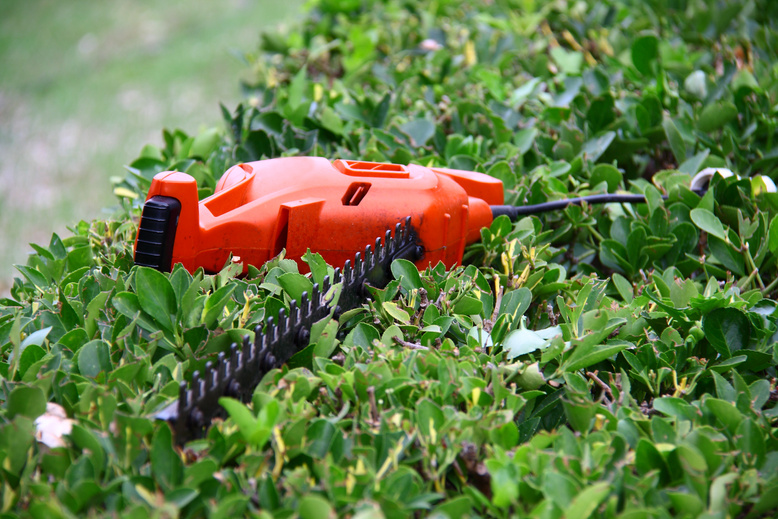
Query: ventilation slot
x=371, y=169
x=355, y=193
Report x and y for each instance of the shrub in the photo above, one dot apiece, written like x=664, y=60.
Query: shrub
x=599, y=361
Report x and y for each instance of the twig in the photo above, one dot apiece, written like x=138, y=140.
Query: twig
x=409, y=345
x=373, y=405
x=605, y=387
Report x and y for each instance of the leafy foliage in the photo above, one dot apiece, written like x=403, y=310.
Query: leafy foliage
x=599, y=361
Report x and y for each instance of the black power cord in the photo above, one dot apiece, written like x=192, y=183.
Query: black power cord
x=515, y=211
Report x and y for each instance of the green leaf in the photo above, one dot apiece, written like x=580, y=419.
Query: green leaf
x=419, y=130
x=625, y=288
x=36, y=338
x=645, y=50
x=33, y=276
x=407, y=273
x=31, y=354
x=524, y=139
x=74, y=339
x=396, y=313
x=515, y=303
x=297, y=89
x=529, y=376
x=313, y=506
x=319, y=438
x=716, y=115
x=181, y=496
x=256, y=431
x=430, y=418
x=726, y=412
x=205, y=143
x=506, y=436
x=601, y=113
x=295, y=284
x=390, y=333
x=468, y=306
x=727, y=330
x=673, y=406
x=166, y=465
x=503, y=171
x=693, y=165
x=751, y=442
x=580, y=414
x=773, y=235
x=331, y=121
x=593, y=149
x=327, y=343
x=560, y=487
x=675, y=140
x=569, y=62
x=25, y=401
x=585, y=355
x=523, y=341
x=93, y=311
x=180, y=280
x=648, y=458
x=587, y=502
x=214, y=305
x=128, y=305
x=362, y=335
x=93, y=358
x=156, y=296
x=708, y=222
x=318, y=266
x=608, y=174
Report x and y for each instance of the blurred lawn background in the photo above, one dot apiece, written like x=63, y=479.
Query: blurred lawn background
x=85, y=84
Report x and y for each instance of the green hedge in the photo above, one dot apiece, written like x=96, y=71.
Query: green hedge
x=600, y=361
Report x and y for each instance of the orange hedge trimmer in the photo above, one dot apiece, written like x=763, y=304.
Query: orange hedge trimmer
x=340, y=209
x=333, y=208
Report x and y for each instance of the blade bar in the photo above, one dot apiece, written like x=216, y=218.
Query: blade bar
x=237, y=374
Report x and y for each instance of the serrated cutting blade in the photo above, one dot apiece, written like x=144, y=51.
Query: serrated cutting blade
x=237, y=372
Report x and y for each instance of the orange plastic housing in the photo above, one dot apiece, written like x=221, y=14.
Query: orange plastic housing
x=334, y=208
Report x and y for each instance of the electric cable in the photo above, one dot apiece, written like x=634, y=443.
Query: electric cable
x=515, y=211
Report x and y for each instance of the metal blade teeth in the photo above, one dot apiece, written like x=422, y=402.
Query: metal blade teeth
x=260, y=345
x=196, y=389
x=305, y=306
x=247, y=354
x=213, y=377
x=358, y=264
x=282, y=322
x=183, y=396
x=256, y=347
x=221, y=369
x=378, y=251
x=385, y=246
x=207, y=378
x=269, y=331
x=369, y=258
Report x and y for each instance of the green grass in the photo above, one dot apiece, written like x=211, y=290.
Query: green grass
x=86, y=84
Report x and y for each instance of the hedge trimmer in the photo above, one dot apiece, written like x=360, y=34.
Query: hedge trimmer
x=340, y=209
